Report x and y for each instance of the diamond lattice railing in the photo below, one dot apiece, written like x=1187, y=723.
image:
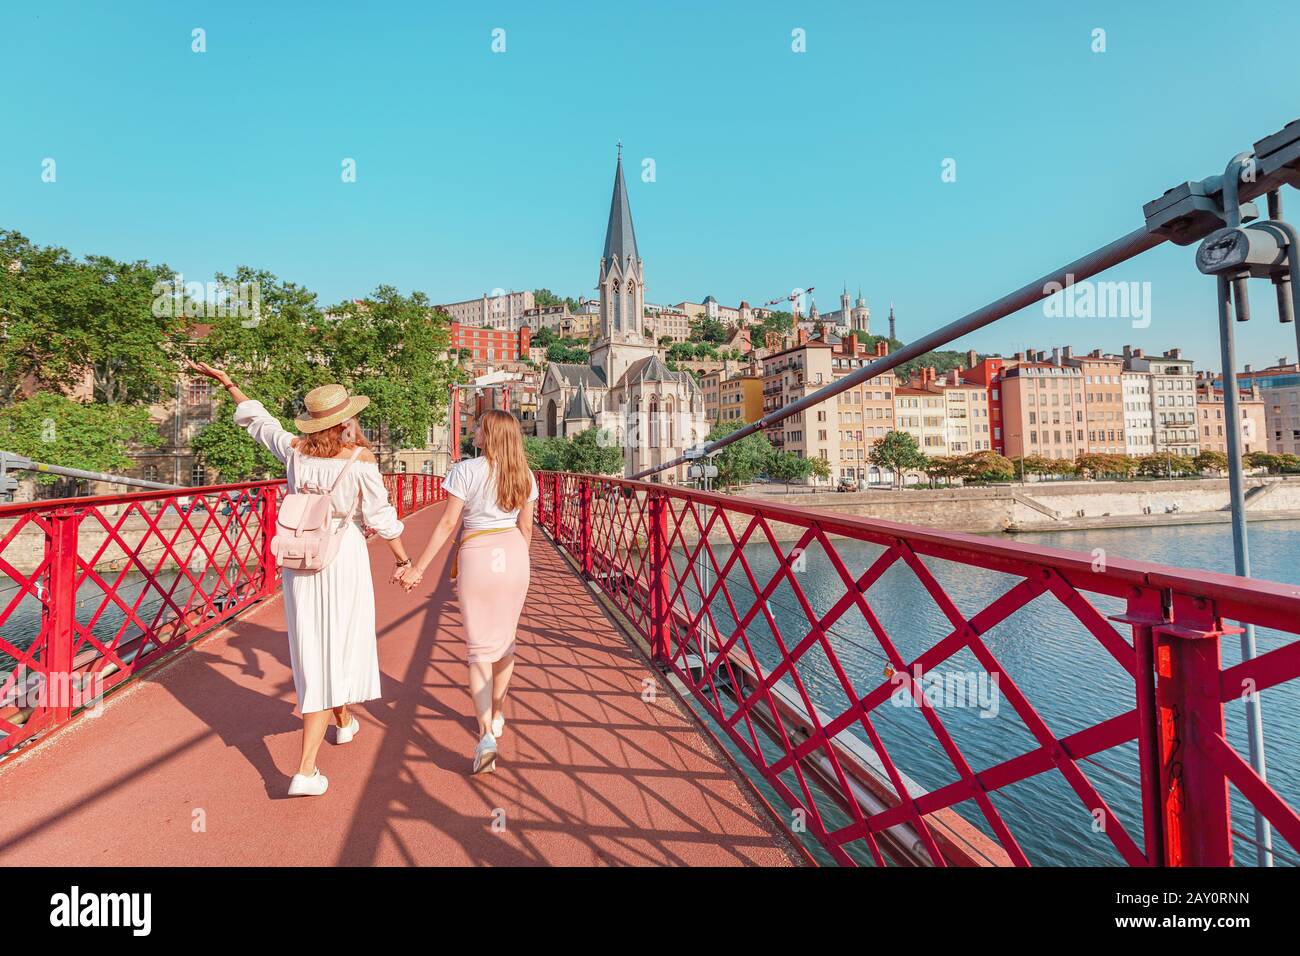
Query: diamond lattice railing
x=92, y=590
x=852, y=664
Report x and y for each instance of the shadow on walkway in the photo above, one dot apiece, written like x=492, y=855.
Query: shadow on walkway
x=189, y=765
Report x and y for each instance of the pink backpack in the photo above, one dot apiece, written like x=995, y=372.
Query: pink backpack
x=306, y=535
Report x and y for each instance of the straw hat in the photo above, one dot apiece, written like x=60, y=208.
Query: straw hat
x=328, y=406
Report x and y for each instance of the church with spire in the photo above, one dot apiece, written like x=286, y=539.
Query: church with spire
x=653, y=412
x=849, y=317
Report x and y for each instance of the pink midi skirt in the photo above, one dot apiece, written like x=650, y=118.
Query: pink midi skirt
x=492, y=583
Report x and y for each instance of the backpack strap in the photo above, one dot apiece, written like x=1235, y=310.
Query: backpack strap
x=356, y=452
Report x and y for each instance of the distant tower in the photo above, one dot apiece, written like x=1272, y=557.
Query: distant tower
x=892, y=331
x=861, y=315
x=845, y=310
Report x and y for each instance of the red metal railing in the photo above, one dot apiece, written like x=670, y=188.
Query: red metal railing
x=410, y=492
x=717, y=587
x=94, y=589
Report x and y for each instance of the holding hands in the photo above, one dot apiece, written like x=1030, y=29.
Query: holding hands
x=408, y=577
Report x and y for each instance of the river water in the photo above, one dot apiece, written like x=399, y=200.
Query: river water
x=1060, y=667
x=152, y=602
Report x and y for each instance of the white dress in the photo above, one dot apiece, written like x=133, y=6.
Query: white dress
x=330, y=614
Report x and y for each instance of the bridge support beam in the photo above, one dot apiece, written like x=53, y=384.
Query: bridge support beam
x=584, y=527
x=660, y=608
x=61, y=550
x=1195, y=809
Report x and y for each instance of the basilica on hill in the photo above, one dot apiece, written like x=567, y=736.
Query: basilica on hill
x=627, y=391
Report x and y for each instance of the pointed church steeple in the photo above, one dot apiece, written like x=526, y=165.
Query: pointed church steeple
x=620, y=235
x=622, y=337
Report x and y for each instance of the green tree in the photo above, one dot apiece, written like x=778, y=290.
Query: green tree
x=588, y=453
x=986, y=466
x=1165, y=464
x=545, y=454
x=279, y=356
x=787, y=467
x=819, y=468
x=1101, y=465
x=706, y=329
x=225, y=447
x=388, y=348
x=545, y=298
x=94, y=436
x=567, y=354
x=67, y=320
x=1211, y=461
x=943, y=467
x=898, y=452
x=1284, y=463
x=741, y=461
x=779, y=322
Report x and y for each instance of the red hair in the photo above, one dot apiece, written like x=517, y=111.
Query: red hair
x=328, y=442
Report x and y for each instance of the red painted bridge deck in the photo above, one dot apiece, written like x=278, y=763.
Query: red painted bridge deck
x=188, y=765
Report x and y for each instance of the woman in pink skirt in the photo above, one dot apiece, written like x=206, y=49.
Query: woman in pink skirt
x=490, y=500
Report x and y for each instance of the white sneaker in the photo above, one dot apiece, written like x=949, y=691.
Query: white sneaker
x=344, y=735
x=485, y=755
x=498, y=726
x=304, y=786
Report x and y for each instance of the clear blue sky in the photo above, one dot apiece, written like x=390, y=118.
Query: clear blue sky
x=775, y=170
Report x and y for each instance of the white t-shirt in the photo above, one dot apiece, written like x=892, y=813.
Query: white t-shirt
x=471, y=480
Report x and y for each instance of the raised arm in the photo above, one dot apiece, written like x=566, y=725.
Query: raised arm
x=217, y=375
x=250, y=414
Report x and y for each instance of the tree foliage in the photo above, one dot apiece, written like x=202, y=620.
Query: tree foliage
x=585, y=453
x=786, y=466
x=1211, y=461
x=709, y=330
x=68, y=321
x=388, y=347
x=1041, y=465
x=898, y=452
x=573, y=355
x=986, y=466
x=741, y=461
x=93, y=436
x=1275, y=463
x=1164, y=465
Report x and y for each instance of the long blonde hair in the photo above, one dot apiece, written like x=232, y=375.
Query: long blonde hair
x=502, y=441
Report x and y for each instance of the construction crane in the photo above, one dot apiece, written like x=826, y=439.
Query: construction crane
x=792, y=298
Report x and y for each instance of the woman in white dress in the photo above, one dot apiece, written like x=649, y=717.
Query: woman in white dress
x=330, y=613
